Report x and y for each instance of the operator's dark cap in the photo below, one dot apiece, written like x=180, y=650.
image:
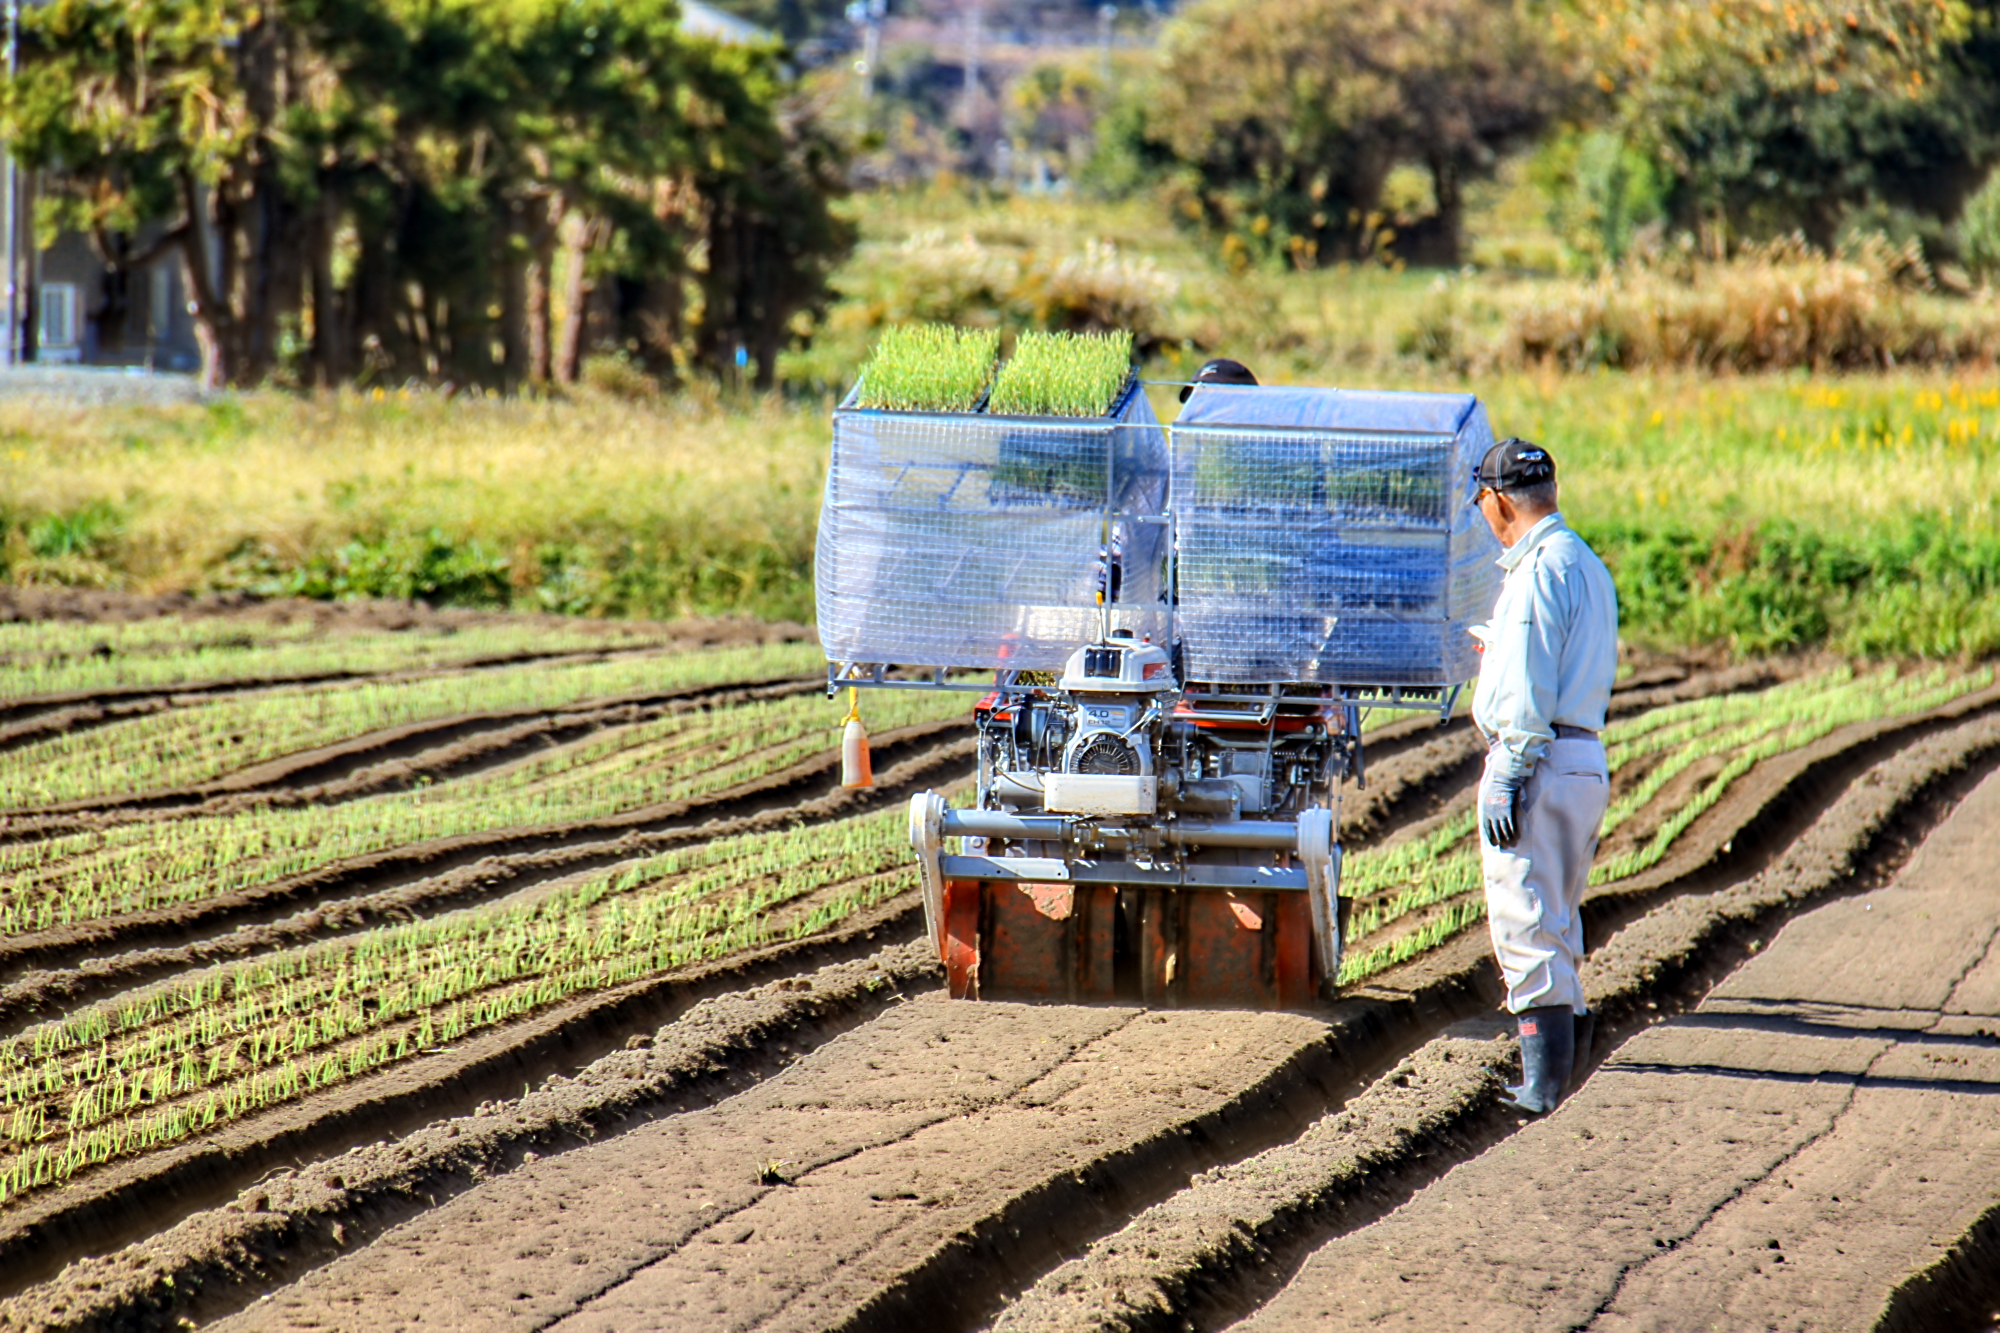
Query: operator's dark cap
x=1219, y=371
x=1513, y=463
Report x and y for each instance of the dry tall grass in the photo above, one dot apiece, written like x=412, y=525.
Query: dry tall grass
x=1775, y=307
x=684, y=504
x=677, y=506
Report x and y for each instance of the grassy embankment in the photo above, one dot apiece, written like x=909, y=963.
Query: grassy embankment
x=1758, y=511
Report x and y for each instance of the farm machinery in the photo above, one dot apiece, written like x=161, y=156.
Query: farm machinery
x=1170, y=637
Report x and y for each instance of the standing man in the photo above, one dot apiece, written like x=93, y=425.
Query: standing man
x=1543, y=687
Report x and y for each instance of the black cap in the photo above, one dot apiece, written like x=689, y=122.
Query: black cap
x=1514, y=463
x=1219, y=371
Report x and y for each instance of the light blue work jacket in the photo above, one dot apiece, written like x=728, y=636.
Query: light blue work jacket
x=1554, y=646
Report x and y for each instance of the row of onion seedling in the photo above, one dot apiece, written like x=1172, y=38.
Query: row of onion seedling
x=197, y=744
x=97, y=875
x=1745, y=729
x=151, y=1068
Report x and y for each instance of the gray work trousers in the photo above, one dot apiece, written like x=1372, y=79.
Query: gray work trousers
x=1534, y=889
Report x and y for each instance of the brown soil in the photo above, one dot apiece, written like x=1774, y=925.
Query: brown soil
x=1785, y=1156
x=73, y=967
x=945, y=1266
x=1202, y=1258
x=94, y=606
x=928, y=1187
x=391, y=758
x=130, y=1200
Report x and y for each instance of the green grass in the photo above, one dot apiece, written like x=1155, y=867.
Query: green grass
x=1064, y=375
x=1755, y=512
x=929, y=368
x=595, y=506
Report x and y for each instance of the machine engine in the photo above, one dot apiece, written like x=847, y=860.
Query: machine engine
x=1117, y=735
x=1137, y=837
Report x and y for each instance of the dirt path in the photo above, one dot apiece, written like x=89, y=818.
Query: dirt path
x=798, y=1203
x=1813, y=1136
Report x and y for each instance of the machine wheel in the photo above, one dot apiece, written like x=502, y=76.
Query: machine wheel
x=1194, y=948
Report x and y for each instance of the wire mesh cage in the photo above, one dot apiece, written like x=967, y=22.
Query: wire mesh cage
x=982, y=541
x=1318, y=536
x=1328, y=536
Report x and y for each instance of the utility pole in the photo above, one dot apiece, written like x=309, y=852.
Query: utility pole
x=871, y=43
x=868, y=16
x=1106, y=16
x=10, y=197
x=973, y=24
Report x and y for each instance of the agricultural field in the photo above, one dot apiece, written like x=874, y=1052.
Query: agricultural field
x=363, y=925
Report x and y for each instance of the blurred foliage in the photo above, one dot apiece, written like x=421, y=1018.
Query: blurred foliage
x=1773, y=118
x=794, y=20
x=448, y=190
x=1052, y=114
x=1287, y=116
x=1603, y=193
x=1774, y=306
x=1978, y=232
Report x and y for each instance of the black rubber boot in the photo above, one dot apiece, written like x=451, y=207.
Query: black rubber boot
x=1548, y=1050
x=1586, y=1035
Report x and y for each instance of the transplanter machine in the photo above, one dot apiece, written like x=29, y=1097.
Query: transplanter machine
x=1175, y=631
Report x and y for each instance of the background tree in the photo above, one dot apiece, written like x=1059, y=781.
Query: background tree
x=1771, y=118
x=455, y=190
x=1290, y=114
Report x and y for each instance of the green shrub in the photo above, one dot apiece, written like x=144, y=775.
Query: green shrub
x=1602, y=193
x=1979, y=232
x=1916, y=588
x=621, y=377
x=85, y=532
x=428, y=566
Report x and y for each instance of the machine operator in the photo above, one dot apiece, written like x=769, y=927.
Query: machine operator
x=1544, y=684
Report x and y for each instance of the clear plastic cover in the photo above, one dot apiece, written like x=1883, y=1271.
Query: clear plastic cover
x=1328, y=537
x=1323, y=536
x=980, y=541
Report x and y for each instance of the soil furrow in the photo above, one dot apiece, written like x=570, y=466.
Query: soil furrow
x=394, y=886
x=1207, y=1256
x=935, y=1272
x=125, y=1202
x=1959, y=1293
x=288, y=1223
x=1776, y=1158
x=1425, y=996
x=391, y=757
x=1414, y=778
x=25, y=721
x=15, y=709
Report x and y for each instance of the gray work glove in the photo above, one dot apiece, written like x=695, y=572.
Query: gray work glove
x=1497, y=805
